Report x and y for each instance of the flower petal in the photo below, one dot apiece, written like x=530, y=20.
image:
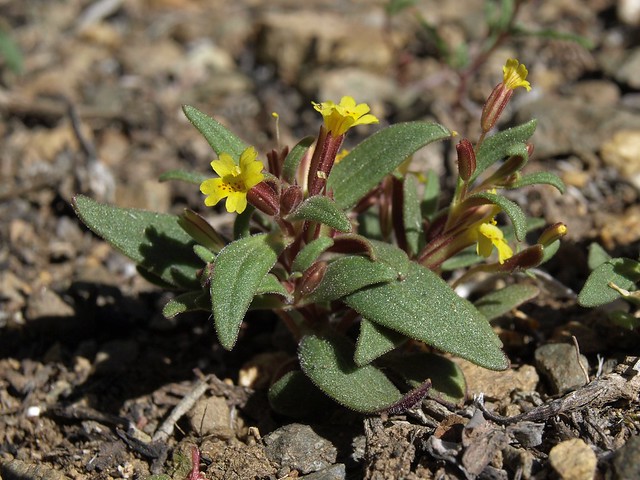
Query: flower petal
x=224, y=165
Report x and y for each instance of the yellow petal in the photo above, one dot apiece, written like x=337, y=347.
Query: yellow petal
x=225, y=165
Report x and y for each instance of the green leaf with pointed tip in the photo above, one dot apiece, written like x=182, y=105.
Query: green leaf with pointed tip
x=195, y=178
x=391, y=255
x=310, y=253
x=295, y=395
x=221, y=139
x=550, y=250
x=238, y=273
x=204, y=254
x=146, y=238
x=186, y=302
x=431, y=195
x=622, y=272
x=323, y=210
x=424, y=307
x=411, y=214
x=597, y=256
x=374, y=158
x=291, y=163
x=501, y=145
x=374, y=341
x=348, y=274
x=513, y=211
x=496, y=304
x=271, y=284
x=447, y=379
x=539, y=178
x=328, y=362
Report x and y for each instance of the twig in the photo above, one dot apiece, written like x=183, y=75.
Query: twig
x=165, y=430
x=584, y=370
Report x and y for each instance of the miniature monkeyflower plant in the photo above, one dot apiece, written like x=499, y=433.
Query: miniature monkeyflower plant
x=350, y=254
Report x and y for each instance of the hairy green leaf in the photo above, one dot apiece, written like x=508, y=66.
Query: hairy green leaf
x=195, y=178
x=391, y=255
x=221, y=139
x=145, y=237
x=499, y=302
x=186, y=302
x=328, y=362
x=539, y=178
x=323, y=210
x=622, y=272
x=513, y=211
x=310, y=253
x=291, y=163
x=374, y=341
x=424, y=307
x=238, y=273
x=411, y=214
x=597, y=256
x=348, y=274
x=369, y=162
x=271, y=284
x=431, y=195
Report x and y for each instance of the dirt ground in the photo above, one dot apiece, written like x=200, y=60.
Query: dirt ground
x=95, y=383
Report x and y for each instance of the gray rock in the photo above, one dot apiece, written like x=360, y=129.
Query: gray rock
x=299, y=447
x=558, y=363
x=334, y=472
x=629, y=71
x=46, y=303
x=211, y=416
x=626, y=462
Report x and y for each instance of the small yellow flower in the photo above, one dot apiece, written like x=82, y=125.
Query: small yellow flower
x=234, y=181
x=489, y=236
x=338, y=118
x=343, y=153
x=515, y=75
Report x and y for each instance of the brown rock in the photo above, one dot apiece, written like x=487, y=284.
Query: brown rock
x=573, y=460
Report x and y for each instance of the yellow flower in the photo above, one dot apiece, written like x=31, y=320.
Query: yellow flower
x=515, y=75
x=489, y=236
x=343, y=153
x=234, y=181
x=341, y=117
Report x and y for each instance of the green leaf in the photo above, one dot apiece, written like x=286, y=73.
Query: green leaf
x=431, y=195
x=622, y=272
x=369, y=162
x=447, y=379
x=310, y=253
x=424, y=307
x=597, y=256
x=550, y=250
x=271, y=284
x=200, y=230
x=155, y=241
x=295, y=395
x=295, y=156
x=465, y=258
x=624, y=319
x=323, y=210
x=391, y=255
x=496, y=304
x=513, y=211
x=185, y=302
x=348, y=274
x=238, y=273
x=411, y=214
x=369, y=225
x=552, y=34
x=501, y=145
x=539, y=178
x=204, y=254
x=374, y=341
x=221, y=139
x=195, y=178
x=328, y=362
x=10, y=52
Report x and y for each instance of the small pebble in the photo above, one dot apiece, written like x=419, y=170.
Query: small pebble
x=573, y=460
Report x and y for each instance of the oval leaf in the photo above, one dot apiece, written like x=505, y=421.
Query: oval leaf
x=145, y=237
x=186, y=302
x=323, y=210
x=496, y=304
x=348, y=274
x=500, y=145
x=310, y=253
x=290, y=166
x=221, y=139
x=369, y=162
x=328, y=362
x=424, y=307
x=374, y=341
x=623, y=272
x=238, y=273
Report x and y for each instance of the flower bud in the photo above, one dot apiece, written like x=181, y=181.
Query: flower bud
x=466, y=159
x=311, y=278
x=552, y=233
x=290, y=199
x=264, y=198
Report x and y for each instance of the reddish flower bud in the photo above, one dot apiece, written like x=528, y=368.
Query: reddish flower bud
x=290, y=199
x=466, y=159
x=494, y=106
x=311, y=278
x=264, y=198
